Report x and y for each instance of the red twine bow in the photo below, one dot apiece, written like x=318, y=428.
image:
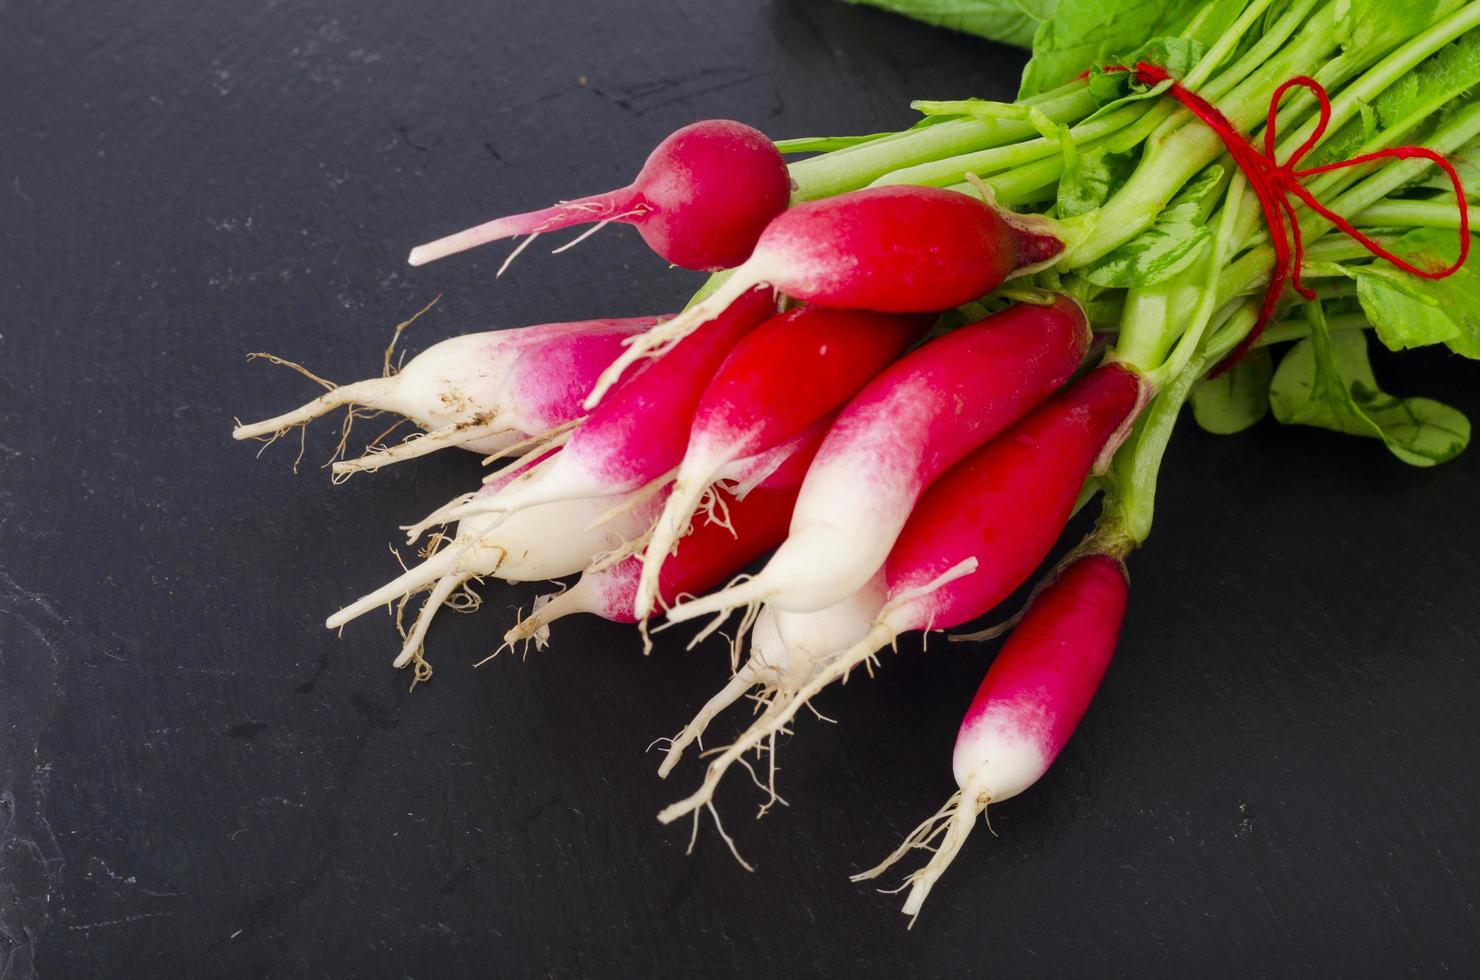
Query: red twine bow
x=1274, y=183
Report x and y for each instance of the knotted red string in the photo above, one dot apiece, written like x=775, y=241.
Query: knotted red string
x=1274, y=183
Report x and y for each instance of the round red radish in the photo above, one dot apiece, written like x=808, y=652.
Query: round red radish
x=700, y=201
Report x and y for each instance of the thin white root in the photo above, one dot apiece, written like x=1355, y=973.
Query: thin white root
x=530, y=448
x=504, y=266
x=547, y=609
x=671, y=526
x=370, y=392
x=635, y=499
x=442, y=515
x=441, y=592
x=943, y=834
x=412, y=580
x=583, y=236
x=731, y=597
x=778, y=715
x=452, y=434
x=657, y=341
x=738, y=686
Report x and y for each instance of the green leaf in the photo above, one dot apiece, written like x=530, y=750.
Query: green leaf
x=1326, y=381
x=1091, y=178
x=1410, y=311
x=1170, y=245
x=1007, y=21
x=1237, y=398
x=1083, y=33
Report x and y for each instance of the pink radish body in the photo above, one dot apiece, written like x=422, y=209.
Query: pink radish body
x=639, y=433
x=1028, y=705
x=912, y=422
x=975, y=535
x=701, y=200
x=483, y=392
x=782, y=378
x=786, y=651
x=543, y=542
x=891, y=249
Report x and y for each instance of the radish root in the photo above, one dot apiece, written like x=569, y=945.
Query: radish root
x=943, y=834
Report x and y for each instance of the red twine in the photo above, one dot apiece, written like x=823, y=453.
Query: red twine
x=1274, y=183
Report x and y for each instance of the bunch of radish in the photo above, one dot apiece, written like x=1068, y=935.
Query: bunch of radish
x=877, y=420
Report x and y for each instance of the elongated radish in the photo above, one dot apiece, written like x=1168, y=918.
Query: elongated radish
x=1026, y=708
x=974, y=537
x=481, y=391
x=911, y=423
x=542, y=542
x=889, y=249
x=780, y=379
x=639, y=433
x=787, y=649
x=700, y=201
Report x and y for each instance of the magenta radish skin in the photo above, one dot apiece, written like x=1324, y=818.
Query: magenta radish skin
x=1031, y=700
x=974, y=537
x=700, y=201
x=915, y=420
x=482, y=392
x=901, y=249
x=791, y=371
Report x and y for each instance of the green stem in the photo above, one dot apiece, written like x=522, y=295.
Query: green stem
x=854, y=167
x=1415, y=214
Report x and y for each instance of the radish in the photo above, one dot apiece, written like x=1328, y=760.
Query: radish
x=975, y=535
x=481, y=391
x=1026, y=708
x=787, y=649
x=543, y=542
x=911, y=423
x=637, y=435
x=888, y=249
x=780, y=379
x=700, y=201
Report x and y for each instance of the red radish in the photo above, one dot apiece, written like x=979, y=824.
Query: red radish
x=786, y=651
x=482, y=391
x=889, y=249
x=975, y=535
x=912, y=422
x=1028, y=705
x=700, y=201
x=543, y=542
x=780, y=379
x=637, y=435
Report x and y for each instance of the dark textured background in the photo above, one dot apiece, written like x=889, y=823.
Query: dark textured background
x=197, y=779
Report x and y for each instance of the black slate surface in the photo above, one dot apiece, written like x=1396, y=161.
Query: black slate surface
x=196, y=779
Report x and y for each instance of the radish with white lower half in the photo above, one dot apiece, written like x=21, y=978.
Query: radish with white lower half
x=638, y=434
x=1030, y=702
x=785, y=375
x=888, y=249
x=482, y=392
x=701, y=200
x=913, y=422
x=974, y=537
